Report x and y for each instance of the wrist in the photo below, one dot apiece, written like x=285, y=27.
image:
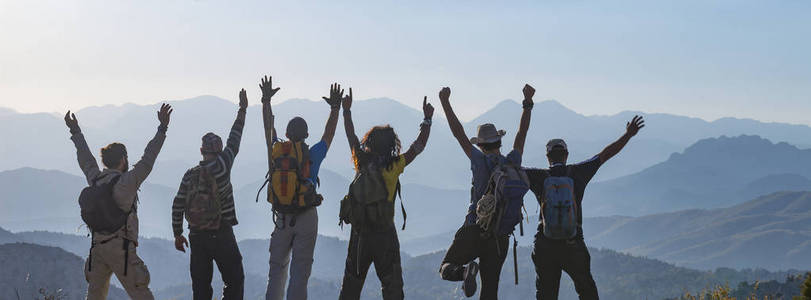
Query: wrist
x=426, y=122
x=163, y=127
x=76, y=130
x=527, y=103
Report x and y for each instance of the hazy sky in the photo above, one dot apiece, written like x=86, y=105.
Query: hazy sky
x=700, y=58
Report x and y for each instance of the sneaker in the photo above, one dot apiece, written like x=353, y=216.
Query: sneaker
x=469, y=285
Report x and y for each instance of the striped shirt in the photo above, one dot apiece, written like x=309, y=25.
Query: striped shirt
x=220, y=169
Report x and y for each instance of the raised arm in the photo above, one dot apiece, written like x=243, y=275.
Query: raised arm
x=456, y=126
x=334, y=101
x=268, y=119
x=229, y=153
x=425, y=131
x=523, y=127
x=354, y=144
x=631, y=129
x=131, y=181
x=87, y=162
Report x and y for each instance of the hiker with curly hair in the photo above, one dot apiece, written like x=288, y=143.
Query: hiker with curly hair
x=369, y=206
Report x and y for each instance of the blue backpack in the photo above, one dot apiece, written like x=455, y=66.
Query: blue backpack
x=499, y=210
x=559, y=209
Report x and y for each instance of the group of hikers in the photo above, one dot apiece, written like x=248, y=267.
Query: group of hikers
x=109, y=206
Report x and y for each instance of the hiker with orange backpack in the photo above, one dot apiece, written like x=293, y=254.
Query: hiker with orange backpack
x=292, y=182
x=109, y=207
x=369, y=206
x=206, y=199
x=497, y=195
x=559, y=243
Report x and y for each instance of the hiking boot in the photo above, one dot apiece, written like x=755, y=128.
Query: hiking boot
x=469, y=277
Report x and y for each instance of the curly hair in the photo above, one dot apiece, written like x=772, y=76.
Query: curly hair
x=380, y=145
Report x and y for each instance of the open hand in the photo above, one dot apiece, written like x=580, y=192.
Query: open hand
x=243, y=99
x=445, y=94
x=71, y=122
x=427, y=108
x=179, y=242
x=633, y=127
x=164, y=114
x=267, y=88
x=347, y=101
x=336, y=95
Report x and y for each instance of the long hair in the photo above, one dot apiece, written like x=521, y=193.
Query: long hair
x=379, y=145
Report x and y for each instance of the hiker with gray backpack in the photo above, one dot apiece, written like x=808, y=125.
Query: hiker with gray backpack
x=292, y=181
x=499, y=186
x=369, y=206
x=559, y=244
x=206, y=200
x=109, y=208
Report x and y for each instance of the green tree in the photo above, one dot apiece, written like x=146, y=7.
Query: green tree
x=806, y=292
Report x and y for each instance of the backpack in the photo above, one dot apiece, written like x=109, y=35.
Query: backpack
x=367, y=205
x=559, y=208
x=290, y=189
x=499, y=209
x=99, y=211
x=203, y=205
x=101, y=214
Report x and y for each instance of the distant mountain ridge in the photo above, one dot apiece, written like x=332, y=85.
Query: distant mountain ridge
x=772, y=231
x=714, y=172
x=41, y=140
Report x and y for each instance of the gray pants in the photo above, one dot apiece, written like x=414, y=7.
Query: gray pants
x=296, y=234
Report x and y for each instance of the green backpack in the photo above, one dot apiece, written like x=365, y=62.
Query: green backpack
x=367, y=205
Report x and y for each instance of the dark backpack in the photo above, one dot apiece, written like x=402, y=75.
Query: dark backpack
x=101, y=214
x=99, y=211
x=367, y=205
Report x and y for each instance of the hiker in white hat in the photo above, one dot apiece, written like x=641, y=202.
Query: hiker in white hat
x=470, y=242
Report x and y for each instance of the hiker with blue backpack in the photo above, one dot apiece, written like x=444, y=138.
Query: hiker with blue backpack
x=206, y=200
x=292, y=181
x=109, y=208
x=369, y=205
x=499, y=186
x=559, y=244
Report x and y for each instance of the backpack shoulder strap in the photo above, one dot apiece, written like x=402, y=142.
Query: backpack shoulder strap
x=402, y=206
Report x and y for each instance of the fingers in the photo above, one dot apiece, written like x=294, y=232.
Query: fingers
x=67, y=116
x=350, y=93
x=424, y=102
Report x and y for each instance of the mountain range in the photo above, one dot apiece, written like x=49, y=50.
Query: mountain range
x=40, y=140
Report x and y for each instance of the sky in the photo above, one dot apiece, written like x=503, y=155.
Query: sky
x=707, y=59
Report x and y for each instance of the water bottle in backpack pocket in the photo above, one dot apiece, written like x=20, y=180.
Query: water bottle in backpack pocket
x=559, y=209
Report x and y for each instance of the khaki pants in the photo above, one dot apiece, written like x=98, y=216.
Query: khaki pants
x=107, y=259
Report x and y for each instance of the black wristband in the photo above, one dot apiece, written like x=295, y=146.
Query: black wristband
x=527, y=104
x=162, y=128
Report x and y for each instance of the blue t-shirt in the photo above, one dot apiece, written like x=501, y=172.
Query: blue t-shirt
x=482, y=167
x=317, y=154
